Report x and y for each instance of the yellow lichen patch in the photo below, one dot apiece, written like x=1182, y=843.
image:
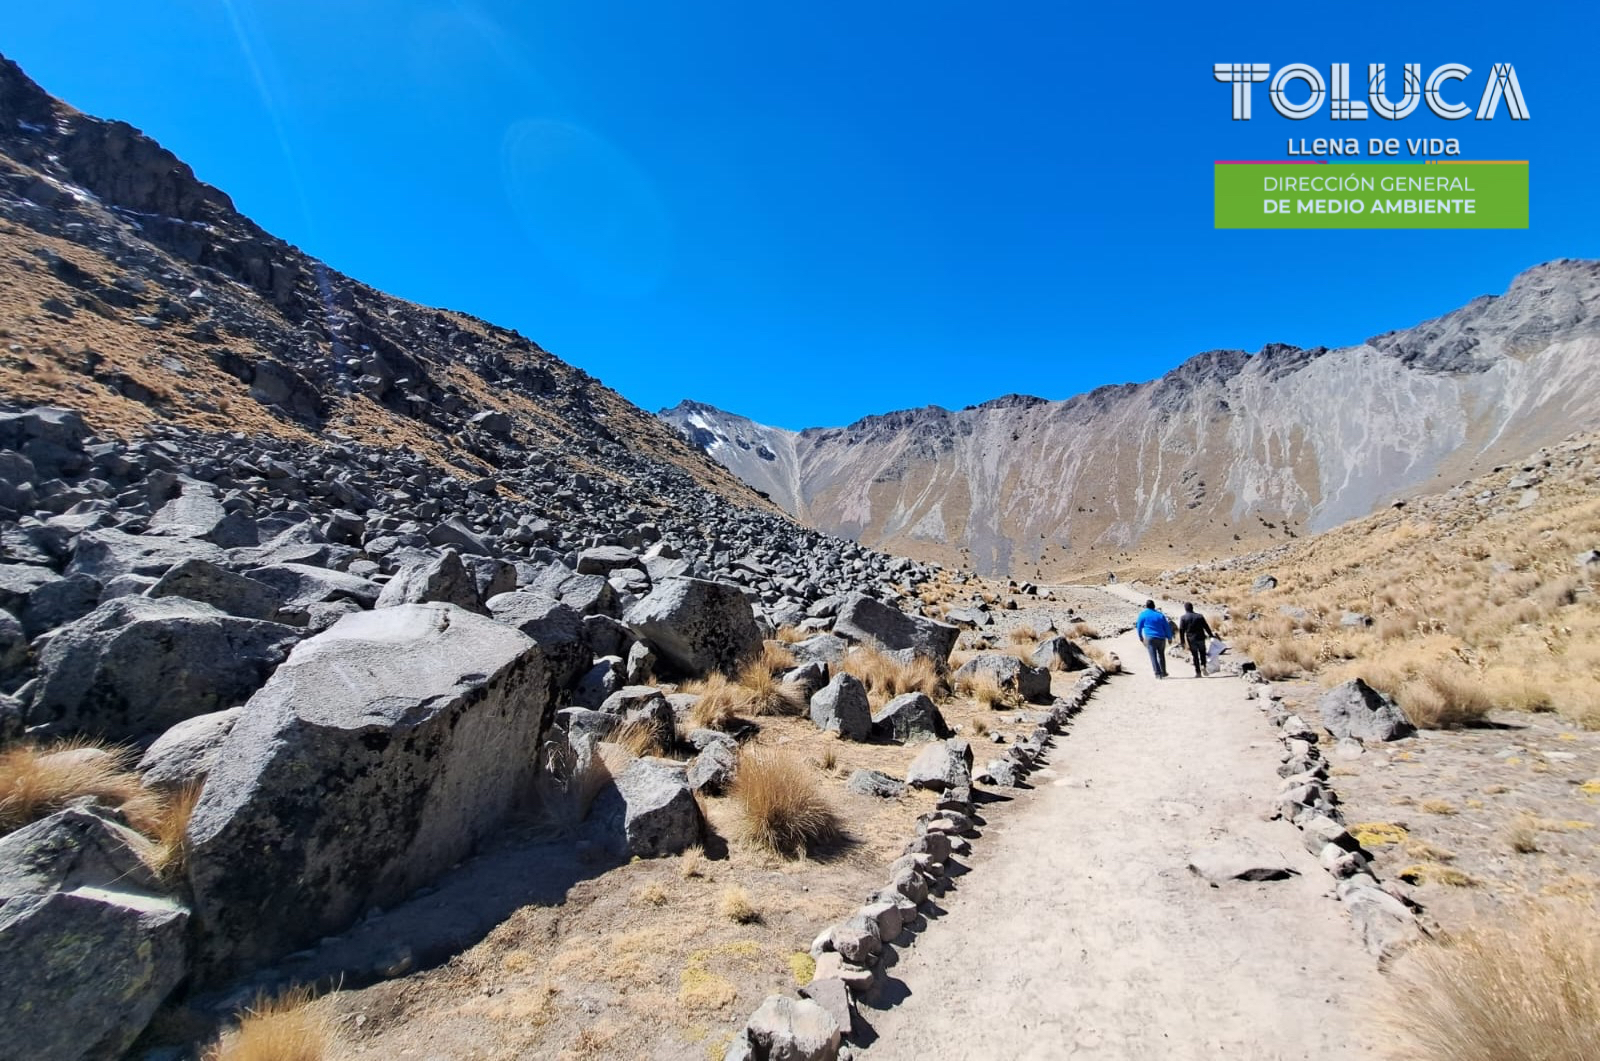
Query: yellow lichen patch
x=804, y=967
x=1376, y=834
x=699, y=988
x=1433, y=873
x=1592, y=786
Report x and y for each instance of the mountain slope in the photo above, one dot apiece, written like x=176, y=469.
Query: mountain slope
x=1260, y=447
x=133, y=292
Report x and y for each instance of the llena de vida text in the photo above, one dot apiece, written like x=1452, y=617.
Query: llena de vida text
x=1297, y=78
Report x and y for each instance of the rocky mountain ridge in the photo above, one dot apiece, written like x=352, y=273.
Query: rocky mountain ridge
x=1227, y=451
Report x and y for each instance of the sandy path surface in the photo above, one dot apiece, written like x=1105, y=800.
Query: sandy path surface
x=1080, y=932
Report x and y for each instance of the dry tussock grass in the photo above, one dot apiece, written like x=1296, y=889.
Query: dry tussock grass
x=1526, y=988
x=1023, y=635
x=985, y=691
x=36, y=781
x=781, y=805
x=790, y=635
x=887, y=678
x=764, y=694
x=1472, y=609
x=285, y=1028
x=735, y=905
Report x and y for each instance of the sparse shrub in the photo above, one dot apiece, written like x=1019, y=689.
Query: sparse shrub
x=790, y=635
x=887, y=678
x=1522, y=835
x=1444, y=695
x=568, y=783
x=1023, y=635
x=1437, y=806
x=775, y=658
x=983, y=689
x=167, y=852
x=1525, y=988
x=719, y=702
x=830, y=759
x=652, y=894
x=781, y=806
x=285, y=1028
x=980, y=727
x=36, y=781
x=636, y=739
x=692, y=863
x=735, y=905
x=765, y=694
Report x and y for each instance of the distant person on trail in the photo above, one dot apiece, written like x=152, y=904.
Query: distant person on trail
x=1155, y=631
x=1193, y=633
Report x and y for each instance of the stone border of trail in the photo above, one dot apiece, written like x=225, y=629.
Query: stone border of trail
x=849, y=954
x=1383, y=912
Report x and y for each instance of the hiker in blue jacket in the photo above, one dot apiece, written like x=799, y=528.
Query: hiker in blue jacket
x=1155, y=630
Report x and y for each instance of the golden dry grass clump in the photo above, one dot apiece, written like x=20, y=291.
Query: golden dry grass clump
x=781, y=804
x=286, y=1028
x=1526, y=988
x=36, y=781
x=886, y=677
x=986, y=691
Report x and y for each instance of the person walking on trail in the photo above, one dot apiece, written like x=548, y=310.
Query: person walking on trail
x=1193, y=633
x=1155, y=630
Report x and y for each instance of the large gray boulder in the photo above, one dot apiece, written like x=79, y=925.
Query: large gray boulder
x=106, y=553
x=942, y=766
x=203, y=581
x=439, y=579
x=604, y=559
x=91, y=947
x=135, y=666
x=560, y=631
x=909, y=718
x=842, y=706
x=884, y=627
x=1059, y=653
x=183, y=754
x=788, y=1029
x=303, y=585
x=197, y=513
x=697, y=626
x=648, y=810
x=378, y=755
x=1010, y=674
x=1356, y=709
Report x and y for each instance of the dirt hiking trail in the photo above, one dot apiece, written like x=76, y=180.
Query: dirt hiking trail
x=1080, y=931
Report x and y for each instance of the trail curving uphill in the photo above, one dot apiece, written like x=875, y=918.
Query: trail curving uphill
x=1080, y=931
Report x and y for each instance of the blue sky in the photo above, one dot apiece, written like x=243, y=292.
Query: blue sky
x=808, y=213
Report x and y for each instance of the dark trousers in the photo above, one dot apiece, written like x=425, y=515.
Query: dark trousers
x=1157, y=647
x=1197, y=649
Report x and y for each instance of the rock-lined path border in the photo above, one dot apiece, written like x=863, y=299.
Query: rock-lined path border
x=1383, y=912
x=851, y=954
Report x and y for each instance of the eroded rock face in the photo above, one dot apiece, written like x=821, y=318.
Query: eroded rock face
x=135, y=666
x=378, y=755
x=697, y=626
x=909, y=718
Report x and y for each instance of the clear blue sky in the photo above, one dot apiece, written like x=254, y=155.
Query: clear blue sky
x=810, y=212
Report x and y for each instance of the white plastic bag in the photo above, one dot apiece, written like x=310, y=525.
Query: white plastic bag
x=1214, y=651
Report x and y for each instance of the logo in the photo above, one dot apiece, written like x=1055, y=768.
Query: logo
x=1501, y=85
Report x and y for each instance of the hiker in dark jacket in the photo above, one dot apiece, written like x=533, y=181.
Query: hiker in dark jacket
x=1193, y=633
x=1155, y=631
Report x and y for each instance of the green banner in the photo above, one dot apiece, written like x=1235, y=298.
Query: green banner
x=1371, y=195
